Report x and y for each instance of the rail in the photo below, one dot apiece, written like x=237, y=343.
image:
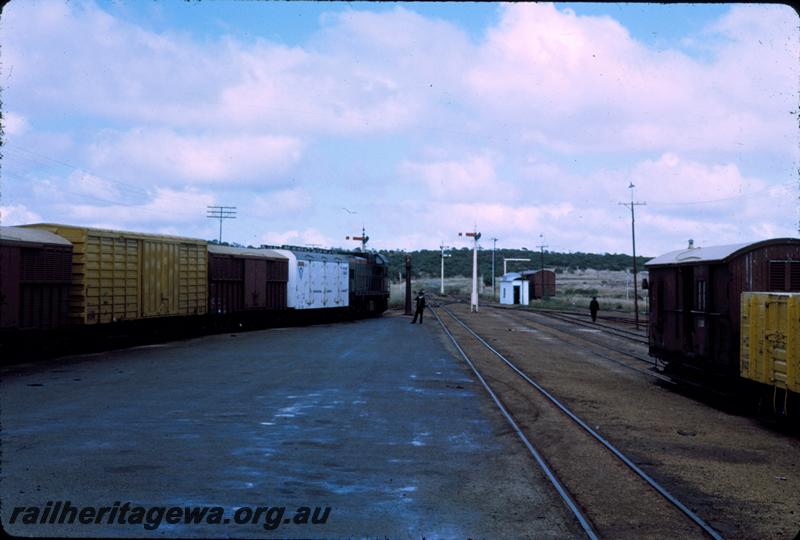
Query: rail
x=551, y=477
x=710, y=531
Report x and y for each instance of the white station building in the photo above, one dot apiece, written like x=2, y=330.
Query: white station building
x=514, y=289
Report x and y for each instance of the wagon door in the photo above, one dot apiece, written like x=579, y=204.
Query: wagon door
x=160, y=280
x=700, y=319
x=255, y=273
x=344, y=281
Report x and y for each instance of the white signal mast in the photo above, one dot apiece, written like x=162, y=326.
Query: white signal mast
x=443, y=247
x=473, y=302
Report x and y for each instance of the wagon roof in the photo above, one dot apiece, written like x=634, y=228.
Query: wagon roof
x=313, y=256
x=246, y=252
x=714, y=253
x=19, y=235
x=534, y=272
x=80, y=229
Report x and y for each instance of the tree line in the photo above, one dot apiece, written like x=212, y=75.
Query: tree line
x=427, y=262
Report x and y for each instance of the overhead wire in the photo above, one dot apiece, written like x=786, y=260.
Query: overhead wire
x=132, y=189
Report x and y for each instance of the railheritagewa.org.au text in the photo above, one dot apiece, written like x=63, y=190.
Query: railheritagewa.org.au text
x=152, y=517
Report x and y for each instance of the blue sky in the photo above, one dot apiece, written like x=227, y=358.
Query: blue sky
x=421, y=119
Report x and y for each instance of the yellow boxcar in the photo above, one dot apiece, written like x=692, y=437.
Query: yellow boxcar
x=770, y=339
x=120, y=275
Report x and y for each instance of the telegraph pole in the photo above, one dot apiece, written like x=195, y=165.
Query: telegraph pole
x=632, y=205
x=541, y=261
x=220, y=213
x=494, y=248
x=473, y=303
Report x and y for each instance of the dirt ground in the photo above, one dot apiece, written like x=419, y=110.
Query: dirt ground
x=738, y=474
x=574, y=290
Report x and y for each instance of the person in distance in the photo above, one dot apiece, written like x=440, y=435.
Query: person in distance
x=420, y=300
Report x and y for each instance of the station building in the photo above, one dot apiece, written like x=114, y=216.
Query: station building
x=514, y=289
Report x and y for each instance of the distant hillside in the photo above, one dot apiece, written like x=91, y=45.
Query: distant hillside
x=426, y=263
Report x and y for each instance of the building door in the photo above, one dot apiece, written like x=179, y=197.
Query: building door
x=516, y=294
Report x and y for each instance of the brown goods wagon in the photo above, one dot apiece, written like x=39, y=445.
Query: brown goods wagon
x=541, y=281
x=121, y=275
x=246, y=279
x=695, y=309
x=35, y=274
x=225, y=282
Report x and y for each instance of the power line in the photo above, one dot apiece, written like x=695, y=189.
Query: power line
x=130, y=188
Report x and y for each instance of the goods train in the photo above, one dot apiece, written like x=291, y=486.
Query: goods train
x=68, y=278
x=730, y=315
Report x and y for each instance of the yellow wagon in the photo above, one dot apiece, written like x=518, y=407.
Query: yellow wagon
x=121, y=275
x=770, y=342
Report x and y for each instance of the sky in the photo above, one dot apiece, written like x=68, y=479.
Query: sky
x=417, y=121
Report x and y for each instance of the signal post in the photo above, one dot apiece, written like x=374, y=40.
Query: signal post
x=473, y=303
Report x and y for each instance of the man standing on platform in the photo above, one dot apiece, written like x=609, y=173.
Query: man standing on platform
x=420, y=306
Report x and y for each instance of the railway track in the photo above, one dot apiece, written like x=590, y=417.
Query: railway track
x=574, y=318
x=559, y=332
x=566, y=327
x=609, y=495
x=567, y=334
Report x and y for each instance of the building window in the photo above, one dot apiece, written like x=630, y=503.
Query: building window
x=700, y=295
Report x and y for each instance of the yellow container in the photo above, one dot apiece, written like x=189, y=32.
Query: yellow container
x=118, y=275
x=770, y=339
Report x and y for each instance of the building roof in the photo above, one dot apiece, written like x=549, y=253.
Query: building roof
x=245, y=252
x=31, y=236
x=712, y=253
x=511, y=276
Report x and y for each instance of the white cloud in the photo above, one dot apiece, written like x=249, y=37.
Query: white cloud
x=14, y=124
x=306, y=237
x=112, y=68
x=17, y=214
x=672, y=179
x=199, y=159
x=453, y=180
x=586, y=83
x=87, y=184
x=166, y=206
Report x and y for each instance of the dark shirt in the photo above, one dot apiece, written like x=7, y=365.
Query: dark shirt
x=420, y=303
x=594, y=305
